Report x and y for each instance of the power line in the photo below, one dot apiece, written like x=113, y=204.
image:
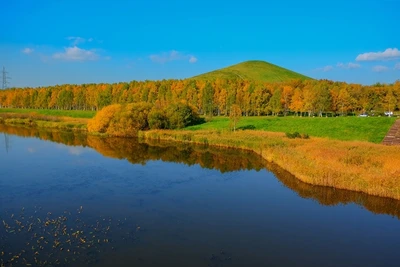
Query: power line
x=5, y=78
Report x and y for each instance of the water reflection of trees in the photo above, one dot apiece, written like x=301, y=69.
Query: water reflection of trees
x=224, y=160
x=207, y=157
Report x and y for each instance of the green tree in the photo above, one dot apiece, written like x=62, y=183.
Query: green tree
x=208, y=97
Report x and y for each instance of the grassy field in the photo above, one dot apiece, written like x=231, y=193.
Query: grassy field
x=370, y=129
x=87, y=114
x=253, y=70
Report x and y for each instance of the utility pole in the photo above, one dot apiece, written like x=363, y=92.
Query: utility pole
x=5, y=78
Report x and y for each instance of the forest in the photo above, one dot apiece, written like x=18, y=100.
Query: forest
x=216, y=97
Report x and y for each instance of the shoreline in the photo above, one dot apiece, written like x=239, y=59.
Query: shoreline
x=350, y=165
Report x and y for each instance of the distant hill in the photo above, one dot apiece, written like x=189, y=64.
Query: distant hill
x=253, y=70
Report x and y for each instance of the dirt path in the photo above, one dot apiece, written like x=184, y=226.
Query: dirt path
x=393, y=136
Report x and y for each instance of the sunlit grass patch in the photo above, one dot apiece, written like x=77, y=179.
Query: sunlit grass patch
x=370, y=129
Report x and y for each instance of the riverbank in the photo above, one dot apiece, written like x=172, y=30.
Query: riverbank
x=357, y=166
x=34, y=119
x=351, y=165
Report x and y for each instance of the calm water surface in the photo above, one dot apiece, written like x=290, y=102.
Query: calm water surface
x=68, y=199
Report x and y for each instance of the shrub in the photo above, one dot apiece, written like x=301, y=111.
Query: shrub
x=121, y=120
x=305, y=136
x=180, y=115
x=157, y=119
x=101, y=121
x=293, y=135
x=247, y=127
x=297, y=135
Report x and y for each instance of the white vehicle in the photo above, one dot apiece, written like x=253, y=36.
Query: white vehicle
x=363, y=115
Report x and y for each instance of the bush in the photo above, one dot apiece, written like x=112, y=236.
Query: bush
x=100, y=123
x=305, y=136
x=297, y=135
x=121, y=120
x=247, y=127
x=293, y=135
x=157, y=119
x=180, y=115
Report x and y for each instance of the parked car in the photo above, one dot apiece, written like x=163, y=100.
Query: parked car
x=363, y=115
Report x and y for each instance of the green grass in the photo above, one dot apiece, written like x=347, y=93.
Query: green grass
x=370, y=129
x=53, y=112
x=253, y=70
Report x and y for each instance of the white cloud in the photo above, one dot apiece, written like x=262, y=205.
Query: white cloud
x=76, y=40
x=349, y=65
x=193, y=59
x=27, y=50
x=380, y=68
x=397, y=66
x=325, y=69
x=388, y=54
x=172, y=56
x=75, y=53
x=76, y=151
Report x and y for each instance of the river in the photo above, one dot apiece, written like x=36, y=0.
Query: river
x=74, y=200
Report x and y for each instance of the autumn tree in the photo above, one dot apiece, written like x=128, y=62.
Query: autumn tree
x=234, y=116
x=275, y=102
x=323, y=99
x=296, y=104
x=208, y=97
x=344, y=101
x=286, y=98
x=390, y=101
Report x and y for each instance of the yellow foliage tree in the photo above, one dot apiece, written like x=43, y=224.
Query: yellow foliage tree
x=235, y=115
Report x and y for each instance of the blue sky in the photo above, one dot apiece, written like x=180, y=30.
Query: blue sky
x=48, y=42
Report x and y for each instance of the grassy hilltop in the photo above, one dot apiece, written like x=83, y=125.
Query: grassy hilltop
x=254, y=70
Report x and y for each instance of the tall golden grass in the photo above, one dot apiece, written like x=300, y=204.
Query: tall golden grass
x=359, y=166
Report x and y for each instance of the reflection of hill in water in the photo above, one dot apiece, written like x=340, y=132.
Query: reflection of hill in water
x=224, y=160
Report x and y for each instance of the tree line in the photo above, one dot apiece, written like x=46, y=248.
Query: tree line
x=309, y=97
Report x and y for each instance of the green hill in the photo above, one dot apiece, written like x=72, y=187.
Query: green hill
x=254, y=70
